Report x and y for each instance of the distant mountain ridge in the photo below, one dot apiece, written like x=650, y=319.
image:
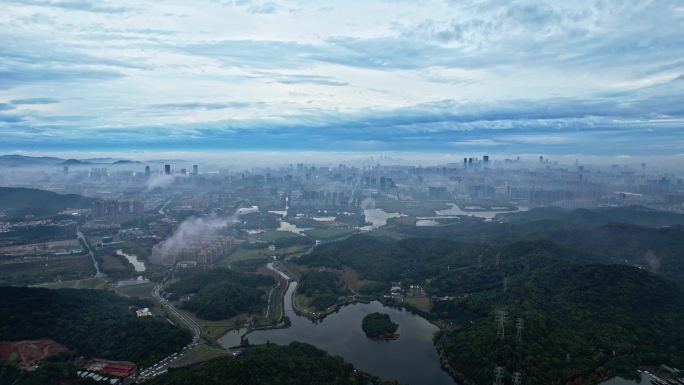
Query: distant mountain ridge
x=34, y=161
x=73, y=162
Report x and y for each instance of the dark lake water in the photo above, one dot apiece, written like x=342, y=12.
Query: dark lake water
x=410, y=359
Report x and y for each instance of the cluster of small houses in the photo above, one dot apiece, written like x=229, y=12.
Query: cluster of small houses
x=396, y=293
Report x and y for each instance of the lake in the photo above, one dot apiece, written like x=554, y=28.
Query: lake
x=410, y=359
x=138, y=265
x=377, y=218
x=287, y=226
x=454, y=209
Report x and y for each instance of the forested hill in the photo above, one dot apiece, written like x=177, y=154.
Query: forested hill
x=657, y=249
x=17, y=202
x=636, y=215
x=93, y=323
x=221, y=293
x=295, y=364
x=581, y=322
x=418, y=258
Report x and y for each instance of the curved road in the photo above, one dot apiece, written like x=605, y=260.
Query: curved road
x=191, y=324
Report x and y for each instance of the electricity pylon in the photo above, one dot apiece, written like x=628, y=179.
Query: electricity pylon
x=501, y=321
x=517, y=378
x=498, y=372
x=519, y=325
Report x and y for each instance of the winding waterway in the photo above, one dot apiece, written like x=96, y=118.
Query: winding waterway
x=410, y=359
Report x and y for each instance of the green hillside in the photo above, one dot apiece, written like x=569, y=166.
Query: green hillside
x=581, y=322
x=93, y=323
x=295, y=364
x=17, y=202
x=221, y=293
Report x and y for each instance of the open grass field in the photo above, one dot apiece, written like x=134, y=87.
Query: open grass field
x=241, y=254
x=114, y=264
x=47, y=270
x=274, y=235
x=86, y=283
x=412, y=208
x=213, y=330
x=143, y=290
x=421, y=303
x=330, y=233
x=199, y=353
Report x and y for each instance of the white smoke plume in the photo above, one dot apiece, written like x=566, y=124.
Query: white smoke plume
x=188, y=232
x=368, y=203
x=652, y=261
x=161, y=181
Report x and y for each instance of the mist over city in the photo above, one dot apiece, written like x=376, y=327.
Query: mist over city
x=310, y=193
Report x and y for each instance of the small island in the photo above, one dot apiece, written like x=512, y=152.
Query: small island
x=379, y=326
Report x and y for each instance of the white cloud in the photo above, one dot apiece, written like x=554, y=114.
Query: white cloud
x=113, y=64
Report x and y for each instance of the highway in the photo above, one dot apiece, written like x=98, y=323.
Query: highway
x=162, y=366
x=191, y=324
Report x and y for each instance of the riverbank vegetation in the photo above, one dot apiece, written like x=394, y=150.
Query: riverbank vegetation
x=379, y=326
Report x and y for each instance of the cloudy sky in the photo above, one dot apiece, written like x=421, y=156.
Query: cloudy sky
x=602, y=77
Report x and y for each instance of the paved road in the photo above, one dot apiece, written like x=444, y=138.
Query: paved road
x=194, y=327
x=162, y=366
x=163, y=208
x=82, y=237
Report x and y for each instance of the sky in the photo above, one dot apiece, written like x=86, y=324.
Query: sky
x=598, y=78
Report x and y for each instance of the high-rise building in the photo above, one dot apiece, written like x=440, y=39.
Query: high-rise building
x=66, y=170
x=167, y=169
x=147, y=171
x=184, y=171
x=124, y=208
x=485, y=160
x=195, y=169
x=138, y=208
x=465, y=162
